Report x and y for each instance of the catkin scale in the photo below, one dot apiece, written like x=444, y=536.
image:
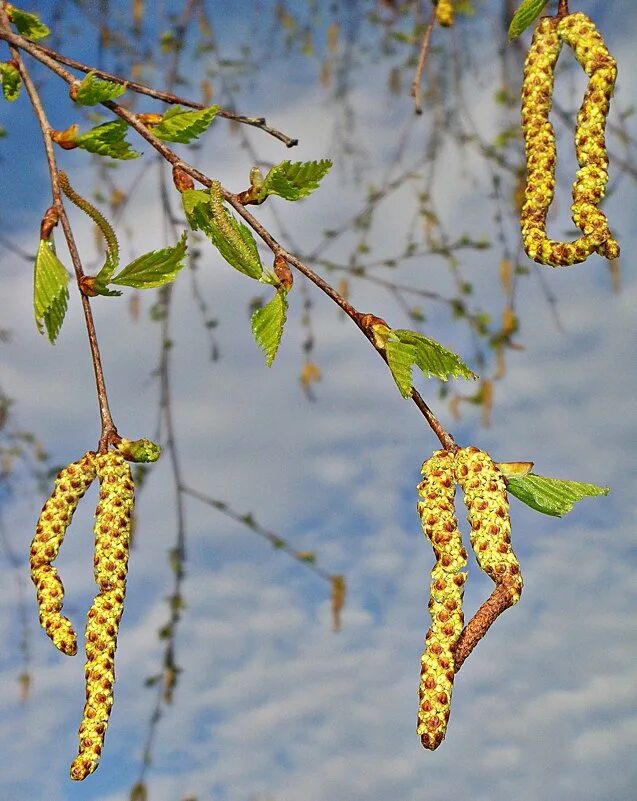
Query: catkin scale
x=112, y=534
x=56, y=516
x=437, y=515
x=485, y=497
x=578, y=32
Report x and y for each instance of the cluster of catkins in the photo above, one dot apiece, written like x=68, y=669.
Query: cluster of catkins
x=112, y=534
x=444, y=13
x=486, y=500
x=579, y=33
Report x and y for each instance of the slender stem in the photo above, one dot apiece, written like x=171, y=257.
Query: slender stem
x=170, y=156
x=142, y=89
x=255, y=527
x=499, y=601
x=562, y=9
x=416, y=84
x=109, y=432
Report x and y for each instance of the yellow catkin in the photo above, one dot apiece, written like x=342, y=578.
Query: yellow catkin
x=112, y=534
x=485, y=497
x=437, y=514
x=444, y=13
x=579, y=33
x=541, y=153
x=57, y=513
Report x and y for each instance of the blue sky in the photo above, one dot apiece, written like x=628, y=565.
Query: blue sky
x=271, y=704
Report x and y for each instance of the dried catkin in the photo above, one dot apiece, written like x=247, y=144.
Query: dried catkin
x=112, y=533
x=440, y=526
x=541, y=153
x=57, y=513
x=485, y=497
x=444, y=13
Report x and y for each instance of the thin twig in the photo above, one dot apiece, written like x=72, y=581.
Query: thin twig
x=16, y=249
x=499, y=601
x=171, y=157
x=248, y=521
x=416, y=84
x=108, y=432
x=166, y=97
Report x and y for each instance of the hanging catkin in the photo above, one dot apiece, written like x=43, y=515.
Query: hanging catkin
x=579, y=32
x=112, y=533
x=485, y=497
x=57, y=513
x=541, y=152
x=440, y=526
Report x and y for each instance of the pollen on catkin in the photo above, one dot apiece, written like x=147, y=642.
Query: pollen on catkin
x=444, y=13
x=541, y=153
x=438, y=518
x=579, y=32
x=112, y=534
x=70, y=485
x=485, y=497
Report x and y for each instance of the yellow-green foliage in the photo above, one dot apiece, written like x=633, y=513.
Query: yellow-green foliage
x=112, y=534
x=440, y=526
x=57, y=513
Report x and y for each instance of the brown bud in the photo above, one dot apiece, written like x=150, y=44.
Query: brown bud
x=149, y=119
x=283, y=272
x=49, y=221
x=66, y=139
x=182, y=180
x=87, y=283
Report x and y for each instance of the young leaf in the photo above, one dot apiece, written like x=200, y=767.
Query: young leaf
x=11, y=82
x=267, y=325
x=108, y=139
x=93, y=90
x=527, y=13
x=28, y=25
x=432, y=358
x=181, y=125
x=192, y=199
x=50, y=291
x=551, y=496
x=231, y=238
x=153, y=269
x=292, y=180
x=400, y=358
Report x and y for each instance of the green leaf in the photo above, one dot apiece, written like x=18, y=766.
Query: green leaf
x=191, y=200
x=93, y=90
x=551, y=496
x=527, y=13
x=28, y=25
x=432, y=358
x=11, y=82
x=400, y=358
x=267, y=325
x=292, y=180
x=50, y=290
x=232, y=239
x=181, y=125
x=153, y=269
x=108, y=139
